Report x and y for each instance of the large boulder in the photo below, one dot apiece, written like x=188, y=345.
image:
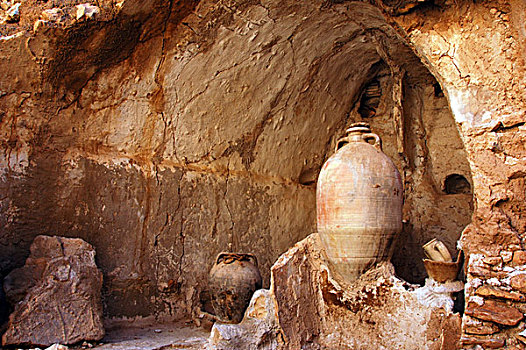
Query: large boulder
x=57, y=294
x=378, y=311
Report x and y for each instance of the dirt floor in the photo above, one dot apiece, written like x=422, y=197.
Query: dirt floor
x=147, y=336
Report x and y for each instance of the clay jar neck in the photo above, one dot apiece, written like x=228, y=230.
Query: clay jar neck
x=360, y=132
x=356, y=136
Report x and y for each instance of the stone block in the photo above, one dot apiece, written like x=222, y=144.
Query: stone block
x=488, y=291
x=61, y=300
x=20, y=280
x=493, y=260
x=519, y=258
x=495, y=311
x=485, y=273
x=378, y=311
x=491, y=343
x=506, y=256
x=259, y=328
x=472, y=325
x=518, y=282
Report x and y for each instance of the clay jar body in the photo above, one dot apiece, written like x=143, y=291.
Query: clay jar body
x=232, y=281
x=359, y=201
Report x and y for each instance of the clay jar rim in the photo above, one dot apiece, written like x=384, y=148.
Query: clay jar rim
x=230, y=257
x=358, y=128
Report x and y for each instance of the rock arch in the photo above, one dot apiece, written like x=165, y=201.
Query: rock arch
x=205, y=132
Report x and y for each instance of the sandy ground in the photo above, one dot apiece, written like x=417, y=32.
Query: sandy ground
x=136, y=336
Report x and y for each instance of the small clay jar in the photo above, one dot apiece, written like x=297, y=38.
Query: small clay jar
x=232, y=281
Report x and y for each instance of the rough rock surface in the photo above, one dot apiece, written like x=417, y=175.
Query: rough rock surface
x=165, y=132
x=476, y=51
x=59, y=289
x=259, y=329
x=495, y=311
x=313, y=311
x=378, y=311
x=225, y=110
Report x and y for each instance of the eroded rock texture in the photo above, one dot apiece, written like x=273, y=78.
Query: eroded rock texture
x=313, y=311
x=379, y=311
x=259, y=328
x=477, y=53
x=165, y=132
x=57, y=295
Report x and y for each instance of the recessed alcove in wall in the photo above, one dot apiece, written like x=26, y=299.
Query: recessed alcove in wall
x=420, y=135
x=438, y=205
x=456, y=184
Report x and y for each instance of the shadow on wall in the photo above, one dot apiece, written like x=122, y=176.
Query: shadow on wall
x=439, y=200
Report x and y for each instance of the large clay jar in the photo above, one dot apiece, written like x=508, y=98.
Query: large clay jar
x=232, y=281
x=359, y=201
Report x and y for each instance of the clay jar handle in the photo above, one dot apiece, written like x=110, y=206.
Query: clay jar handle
x=253, y=258
x=221, y=256
x=377, y=141
x=341, y=142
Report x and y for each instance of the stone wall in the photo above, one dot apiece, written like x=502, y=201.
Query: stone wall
x=476, y=51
